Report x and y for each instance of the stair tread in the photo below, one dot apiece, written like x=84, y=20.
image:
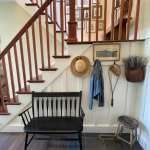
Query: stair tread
x=65, y=56
x=31, y=4
x=49, y=69
x=36, y=81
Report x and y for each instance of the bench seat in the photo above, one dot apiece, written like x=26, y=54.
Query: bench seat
x=51, y=124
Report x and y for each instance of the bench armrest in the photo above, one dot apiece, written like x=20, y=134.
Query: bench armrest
x=82, y=113
x=26, y=116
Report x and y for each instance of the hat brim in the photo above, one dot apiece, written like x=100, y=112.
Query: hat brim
x=115, y=70
x=86, y=70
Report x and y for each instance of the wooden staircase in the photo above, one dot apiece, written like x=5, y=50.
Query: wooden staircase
x=73, y=35
x=21, y=60
x=41, y=42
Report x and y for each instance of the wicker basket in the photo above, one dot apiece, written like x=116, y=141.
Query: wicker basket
x=135, y=75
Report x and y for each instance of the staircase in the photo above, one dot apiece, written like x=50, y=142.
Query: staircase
x=39, y=53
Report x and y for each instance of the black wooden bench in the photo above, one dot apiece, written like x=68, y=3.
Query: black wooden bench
x=54, y=113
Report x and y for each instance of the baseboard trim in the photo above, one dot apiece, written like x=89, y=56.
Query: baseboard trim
x=88, y=128
x=143, y=142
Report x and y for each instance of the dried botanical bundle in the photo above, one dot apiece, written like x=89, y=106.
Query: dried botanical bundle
x=135, y=62
x=135, y=68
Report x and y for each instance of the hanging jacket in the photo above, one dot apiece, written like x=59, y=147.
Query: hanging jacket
x=96, y=90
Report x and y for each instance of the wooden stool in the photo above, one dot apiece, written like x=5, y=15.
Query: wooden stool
x=128, y=123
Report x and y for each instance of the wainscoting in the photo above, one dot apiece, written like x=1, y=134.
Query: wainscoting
x=103, y=119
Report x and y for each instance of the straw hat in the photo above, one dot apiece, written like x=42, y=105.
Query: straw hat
x=80, y=66
x=115, y=69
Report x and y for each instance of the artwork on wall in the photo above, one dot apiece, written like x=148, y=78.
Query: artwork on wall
x=93, y=26
x=86, y=2
x=101, y=25
x=86, y=13
x=94, y=11
x=67, y=10
x=94, y=1
x=79, y=25
x=106, y=52
x=67, y=2
x=78, y=13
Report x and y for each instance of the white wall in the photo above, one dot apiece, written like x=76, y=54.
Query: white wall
x=12, y=18
x=125, y=98
x=143, y=107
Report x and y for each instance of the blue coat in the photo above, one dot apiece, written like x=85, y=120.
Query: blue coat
x=96, y=90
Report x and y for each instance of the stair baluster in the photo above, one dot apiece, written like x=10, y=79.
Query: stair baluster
x=137, y=19
x=62, y=26
x=21, y=60
x=129, y=18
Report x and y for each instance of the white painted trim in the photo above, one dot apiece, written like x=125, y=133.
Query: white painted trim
x=88, y=128
x=143, y=142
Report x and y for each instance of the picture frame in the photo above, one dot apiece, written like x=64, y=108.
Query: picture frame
x=94, y=1
x=79, y=25
x=67, y=3
x=86, y=2
x=86, y=13
x=94, y=11
x=67, y=10
x=93, y=26
x=106, y=52
x=101, y=25
x=78, y=13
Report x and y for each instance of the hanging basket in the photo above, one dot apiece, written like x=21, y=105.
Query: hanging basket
x=135, y=75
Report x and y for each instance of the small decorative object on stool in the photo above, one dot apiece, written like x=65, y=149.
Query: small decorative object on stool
x=126, y=122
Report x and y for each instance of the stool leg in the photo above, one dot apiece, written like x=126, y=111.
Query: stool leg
x=118, y=130
x=131, y=139
x=136, y=135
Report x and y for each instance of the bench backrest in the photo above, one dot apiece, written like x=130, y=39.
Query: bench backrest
x=56, y=104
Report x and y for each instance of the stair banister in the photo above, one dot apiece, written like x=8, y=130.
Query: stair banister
x=14, y=63
x=26, y=26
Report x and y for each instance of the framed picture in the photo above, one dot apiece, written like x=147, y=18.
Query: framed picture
x=86, y=2
x=106, y=52
x=67, y=2
x=94, y=11
x=101, y=25
x=93, y=26
x=67, y=10
x=78, y=13
x=79, y=25
x=94, y=1
x=86, y=13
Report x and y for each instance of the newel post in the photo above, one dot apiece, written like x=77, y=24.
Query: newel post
x=72, y=24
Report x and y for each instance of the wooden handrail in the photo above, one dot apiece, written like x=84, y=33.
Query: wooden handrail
x=50, y=17
x=18, y=67
x=24, y=29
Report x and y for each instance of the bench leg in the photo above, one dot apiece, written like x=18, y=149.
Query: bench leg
x=26, y=142
x=80, y=140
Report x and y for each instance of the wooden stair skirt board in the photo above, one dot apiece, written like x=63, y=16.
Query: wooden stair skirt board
x=116, y=31
x=106, y=41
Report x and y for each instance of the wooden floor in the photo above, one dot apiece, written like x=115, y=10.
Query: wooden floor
x=15, y=141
